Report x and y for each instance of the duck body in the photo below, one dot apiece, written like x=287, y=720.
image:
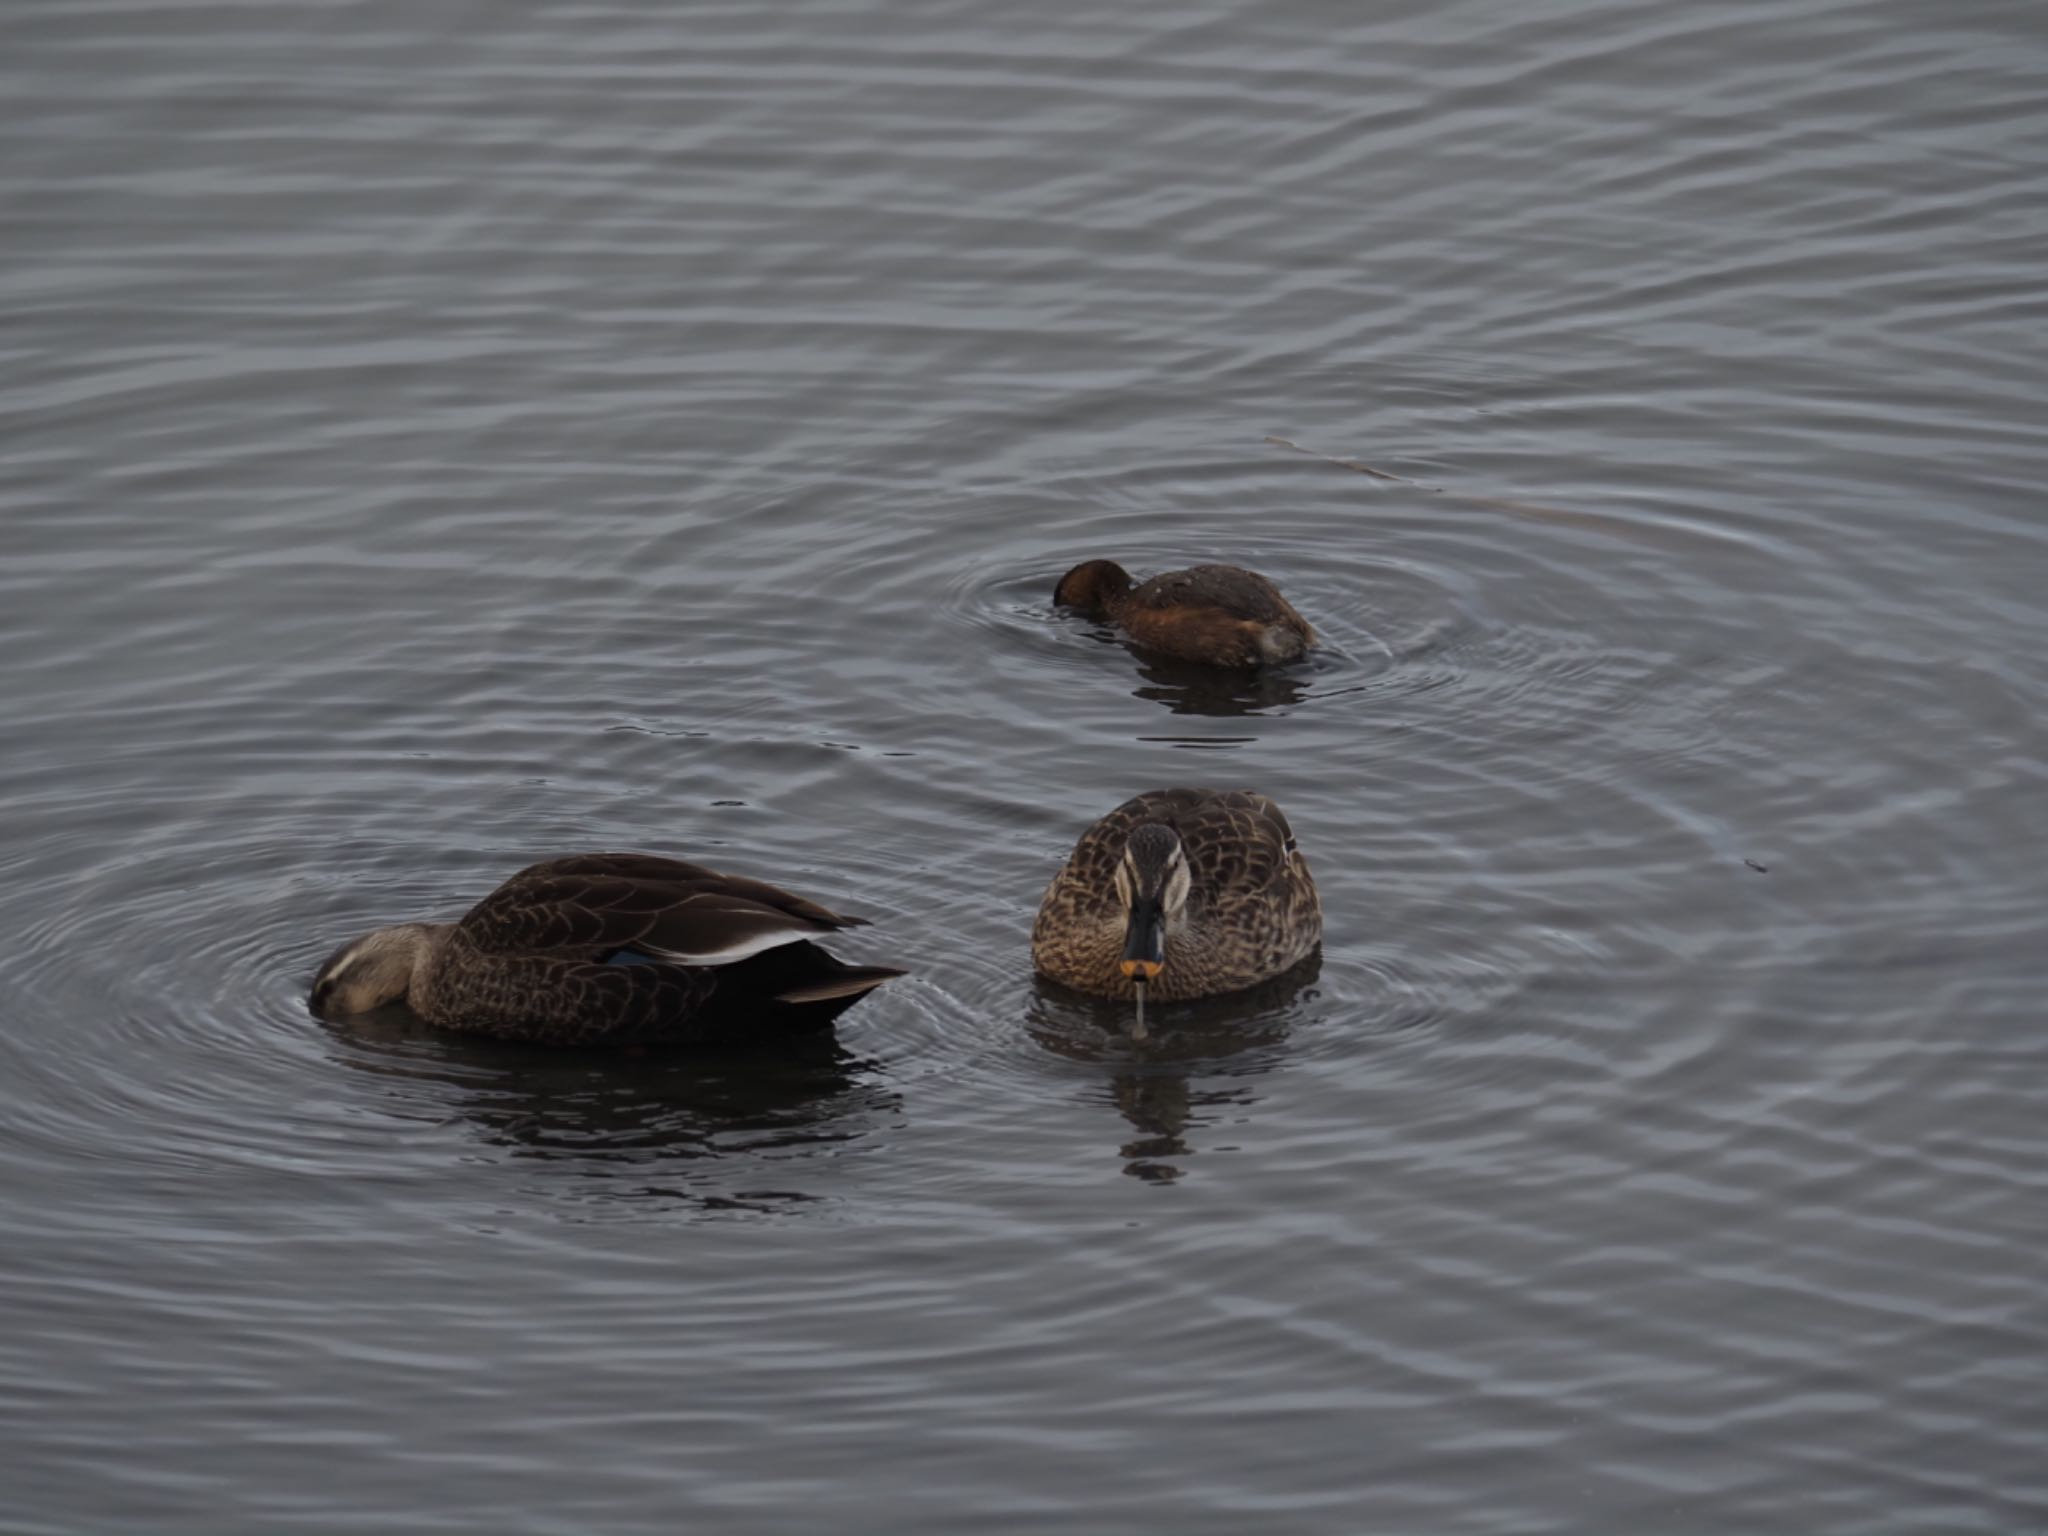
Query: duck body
x=1217, y=614
x=609, y=947
x=1189, y=892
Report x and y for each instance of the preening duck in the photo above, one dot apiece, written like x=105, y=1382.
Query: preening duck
x=609, y=947
x=1212, y=613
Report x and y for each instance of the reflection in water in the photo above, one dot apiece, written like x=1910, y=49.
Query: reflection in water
x=658, y=1124
x=1190, y=688
x=1155, y=1083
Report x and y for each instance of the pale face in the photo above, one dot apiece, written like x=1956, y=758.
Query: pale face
x=374, y=971
x=1154, y=866
x=1152, y=882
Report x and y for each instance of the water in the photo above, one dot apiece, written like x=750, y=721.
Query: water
x=437, y=436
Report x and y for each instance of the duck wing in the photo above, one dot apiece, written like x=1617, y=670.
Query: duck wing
x=598, y=904
x=1239, y=847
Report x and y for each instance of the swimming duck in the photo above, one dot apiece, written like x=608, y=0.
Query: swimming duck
x=1179, y=893
x=605, y=947
x=1214, y=613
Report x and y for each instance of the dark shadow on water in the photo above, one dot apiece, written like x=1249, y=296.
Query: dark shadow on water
x=1196, y=1068
x=1190, y=688
x=715, y=1128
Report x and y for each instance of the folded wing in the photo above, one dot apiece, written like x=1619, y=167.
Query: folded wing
x=597, y=905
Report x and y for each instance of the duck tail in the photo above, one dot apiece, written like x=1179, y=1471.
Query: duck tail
x=790, y=989
x=848, y=981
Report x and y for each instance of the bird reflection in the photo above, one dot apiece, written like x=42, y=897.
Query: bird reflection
x=673, y=1125
x=1196, y=1068
x=1194, y=688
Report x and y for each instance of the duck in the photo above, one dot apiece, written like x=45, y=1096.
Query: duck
x=1218, y=614
x=601, y=948
x=1176, y=894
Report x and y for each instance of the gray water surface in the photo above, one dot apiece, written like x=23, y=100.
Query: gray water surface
x=436, y=436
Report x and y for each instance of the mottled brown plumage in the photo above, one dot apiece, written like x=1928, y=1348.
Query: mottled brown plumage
x=1246, y=906
x=609, y=947
x=1217, y=614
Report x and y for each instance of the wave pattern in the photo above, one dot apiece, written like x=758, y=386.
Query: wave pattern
x=436, y=436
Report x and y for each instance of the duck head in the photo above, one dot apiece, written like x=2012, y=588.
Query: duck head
x=1091, y=587
x=1152, y=879
x=374, y=970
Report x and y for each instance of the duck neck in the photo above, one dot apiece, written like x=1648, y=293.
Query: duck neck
x=425, y=944
x=1112, y=588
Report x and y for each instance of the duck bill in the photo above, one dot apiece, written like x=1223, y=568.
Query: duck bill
x=1144, y=953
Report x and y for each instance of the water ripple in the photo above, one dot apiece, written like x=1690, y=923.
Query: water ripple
x=432, y=446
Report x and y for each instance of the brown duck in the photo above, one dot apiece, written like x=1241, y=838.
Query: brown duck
x=609, y=947
x=1180, y=893
x=1213, y=613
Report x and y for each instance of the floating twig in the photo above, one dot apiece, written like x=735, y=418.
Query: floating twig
x=1363, y=469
